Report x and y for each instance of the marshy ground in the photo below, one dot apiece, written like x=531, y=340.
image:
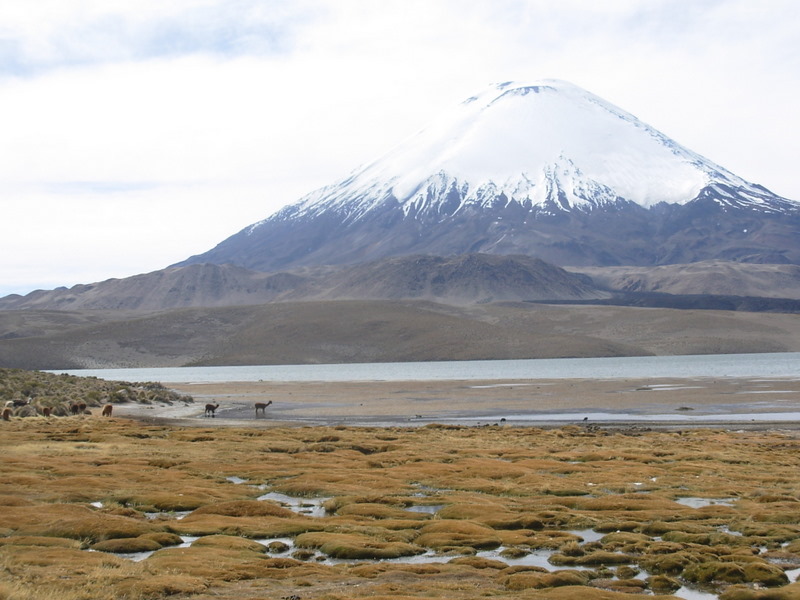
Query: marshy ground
x=148, y=507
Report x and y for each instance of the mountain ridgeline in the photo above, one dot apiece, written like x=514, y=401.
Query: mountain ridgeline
x=546, y=170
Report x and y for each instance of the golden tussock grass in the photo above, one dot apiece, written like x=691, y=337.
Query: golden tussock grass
x=253, y=527
x=72, y=521
x=523, y=581
x=511, y=490
x=379, y=511
x=451, y=533
x=356, y=546
x=245, y=508
x=741, y=592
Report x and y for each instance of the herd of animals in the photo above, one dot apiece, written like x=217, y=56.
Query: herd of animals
x=211, y=409
x=79, y=408
x=75, y=408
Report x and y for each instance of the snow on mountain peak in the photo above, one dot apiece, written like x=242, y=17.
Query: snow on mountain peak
x=537, y=143
x=541, y=169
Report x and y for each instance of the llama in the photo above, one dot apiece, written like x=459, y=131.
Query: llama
x=107, y=410
x=260, y=406
x=211, y=409
x=6, y=414
x=46, y=411
x=74, y=409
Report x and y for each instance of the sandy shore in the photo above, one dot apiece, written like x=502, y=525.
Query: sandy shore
x=655, y=403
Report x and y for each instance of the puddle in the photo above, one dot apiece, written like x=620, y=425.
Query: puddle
x=601, y=417
x=177, y=515
x=694, y=594
x=429, y=509
x=310, y=507
x=132, y=556
x=498, y=385
x=426, y=491
x=188, y=540
x=284, y=540
x=666, y=387
x=236, y=480
x=536, y=558
x=587, y=535
x=701, y=502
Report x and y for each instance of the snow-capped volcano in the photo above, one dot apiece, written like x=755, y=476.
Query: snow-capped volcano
x=545, y=169
x=532, y=144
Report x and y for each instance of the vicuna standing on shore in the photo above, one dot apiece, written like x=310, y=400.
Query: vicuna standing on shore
x=260, y=406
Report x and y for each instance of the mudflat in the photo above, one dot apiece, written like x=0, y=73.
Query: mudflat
x=728, y=402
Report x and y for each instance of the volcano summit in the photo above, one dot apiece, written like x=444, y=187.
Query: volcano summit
x=543, y=169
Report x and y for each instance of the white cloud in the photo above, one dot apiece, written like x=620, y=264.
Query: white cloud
x=53, y=33
x=214, y=114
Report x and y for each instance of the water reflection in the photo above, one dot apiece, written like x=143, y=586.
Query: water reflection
x=429, y=509
x=310, y=507
x=702, y=502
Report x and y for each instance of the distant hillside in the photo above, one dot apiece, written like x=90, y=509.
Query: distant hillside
x=377, y=331
x=461, y=280
x=465, y=279
x=175, y=287
x=715, y=277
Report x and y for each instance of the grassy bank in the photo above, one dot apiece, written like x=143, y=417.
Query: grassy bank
x=34, y=393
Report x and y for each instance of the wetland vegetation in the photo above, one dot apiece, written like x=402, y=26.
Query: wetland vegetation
x=34, y=393
x=108, y=508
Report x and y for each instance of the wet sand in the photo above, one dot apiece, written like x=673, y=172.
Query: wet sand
x=731, y=403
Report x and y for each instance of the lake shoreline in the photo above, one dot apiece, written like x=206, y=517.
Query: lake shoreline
x=652, y=403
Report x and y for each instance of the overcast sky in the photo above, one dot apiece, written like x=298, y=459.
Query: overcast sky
x=135, y=133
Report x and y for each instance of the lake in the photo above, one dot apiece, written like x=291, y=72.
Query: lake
x=771, y=365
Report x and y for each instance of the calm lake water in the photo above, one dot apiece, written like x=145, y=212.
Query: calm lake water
x=774, y=365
